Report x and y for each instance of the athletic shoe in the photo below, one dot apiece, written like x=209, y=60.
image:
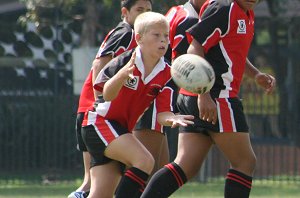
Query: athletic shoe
x=78, y=194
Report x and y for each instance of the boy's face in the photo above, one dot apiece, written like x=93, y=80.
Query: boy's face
x=247, y=4
x=138, y=8
x=155, y=41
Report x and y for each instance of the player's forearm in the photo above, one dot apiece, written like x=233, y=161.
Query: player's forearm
x=98, y=64
x=113, y=86
x=196, y=48
x=250, y=70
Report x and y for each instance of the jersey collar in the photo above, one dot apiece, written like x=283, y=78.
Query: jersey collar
x=140, y=66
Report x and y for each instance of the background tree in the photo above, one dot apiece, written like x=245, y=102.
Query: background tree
x=96, y=16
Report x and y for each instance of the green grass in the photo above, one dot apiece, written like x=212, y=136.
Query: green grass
x=266, y=189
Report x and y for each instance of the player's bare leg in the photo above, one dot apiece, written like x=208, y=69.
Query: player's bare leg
x=101, y=176
x=238, y=150
x=130, y=151
x=86, y=183
x=156, y=143
x=192, y=151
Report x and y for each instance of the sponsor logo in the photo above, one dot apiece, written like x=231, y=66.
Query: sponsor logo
x=242, y=27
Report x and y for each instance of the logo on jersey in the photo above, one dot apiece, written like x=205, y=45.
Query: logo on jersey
x=242, y=27
x=132, y=83
x=154, y=90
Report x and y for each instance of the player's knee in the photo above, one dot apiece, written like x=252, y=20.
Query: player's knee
x=246, y=166
x=145, y=163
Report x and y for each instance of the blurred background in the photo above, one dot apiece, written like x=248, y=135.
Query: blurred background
x=46, y=50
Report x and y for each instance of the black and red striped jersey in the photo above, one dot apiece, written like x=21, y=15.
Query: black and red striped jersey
x=117, y=41
x=137, y=94
x=87, y=97
x=226, y=33
x=181, y=18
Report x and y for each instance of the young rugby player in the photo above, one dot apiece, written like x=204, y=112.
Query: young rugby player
x=118, y=40
x=128, y=85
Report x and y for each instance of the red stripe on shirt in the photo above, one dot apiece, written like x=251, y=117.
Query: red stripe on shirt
x=225, y=115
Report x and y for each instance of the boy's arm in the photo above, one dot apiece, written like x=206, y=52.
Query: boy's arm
x=266, y=81
x=113, y=86
x=250, y=70
x=98, y=64
x=206, y=105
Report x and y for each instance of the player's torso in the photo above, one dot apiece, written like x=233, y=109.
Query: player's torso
x=229, y=55
x=180, y=18
x=135, y=96
x=117, y=41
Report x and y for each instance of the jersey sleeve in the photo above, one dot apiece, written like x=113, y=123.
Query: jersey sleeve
x=181, y=38
x=213, y=26
x=110, y=69
x=117, y=42
x=166, y=99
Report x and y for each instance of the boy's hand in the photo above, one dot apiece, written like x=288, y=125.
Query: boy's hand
x=266, y=81
x=127, y=70
x=180, y=120
x=207, y=108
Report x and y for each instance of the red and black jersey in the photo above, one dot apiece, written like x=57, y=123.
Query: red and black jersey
x=137, y=94
x=204, y=6
x=87, y=97
x=226, y=33
x=117, y=41
x=181, y=18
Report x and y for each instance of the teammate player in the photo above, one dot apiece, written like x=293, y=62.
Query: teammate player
x=118, y=40
x=223, y=37
x=180, y=18
x=129, y=84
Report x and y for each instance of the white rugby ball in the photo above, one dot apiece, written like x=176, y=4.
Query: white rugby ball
x=193, y=73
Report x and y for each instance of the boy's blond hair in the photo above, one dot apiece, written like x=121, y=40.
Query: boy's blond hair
x=147, y=19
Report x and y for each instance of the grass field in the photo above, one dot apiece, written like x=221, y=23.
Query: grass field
x=192, y=189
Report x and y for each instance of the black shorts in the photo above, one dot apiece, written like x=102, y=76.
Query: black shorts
x=149, y=120
x=98, y=135
x=80, y=144
x=231, y=117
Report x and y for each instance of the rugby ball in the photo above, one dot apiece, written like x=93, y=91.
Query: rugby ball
x=193, y=73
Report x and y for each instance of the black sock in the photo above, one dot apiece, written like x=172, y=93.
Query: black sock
x=131, y=183
x=165, y=181
x=237, y=185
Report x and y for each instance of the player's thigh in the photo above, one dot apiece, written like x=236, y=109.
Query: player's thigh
x=154, y=141
x=105, y=179
x=237, y=149
x=164, y=153
x=192, y=151
x=130, y=151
